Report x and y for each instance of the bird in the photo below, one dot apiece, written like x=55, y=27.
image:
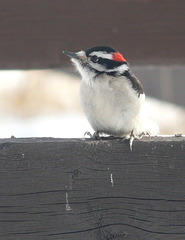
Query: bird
x=111, y=97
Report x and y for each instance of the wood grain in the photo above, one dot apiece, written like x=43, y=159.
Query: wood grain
x=86, y=189
x=34, y=33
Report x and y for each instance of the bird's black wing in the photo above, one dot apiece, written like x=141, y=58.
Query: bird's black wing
x=137, y=86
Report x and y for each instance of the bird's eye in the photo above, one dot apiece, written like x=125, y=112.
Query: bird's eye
x=94, y=59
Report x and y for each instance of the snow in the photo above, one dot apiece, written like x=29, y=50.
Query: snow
x=69, y=125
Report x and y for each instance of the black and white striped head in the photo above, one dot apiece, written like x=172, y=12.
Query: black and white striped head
x=99, y=60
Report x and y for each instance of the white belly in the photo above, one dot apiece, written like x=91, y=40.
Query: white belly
x=110, y=106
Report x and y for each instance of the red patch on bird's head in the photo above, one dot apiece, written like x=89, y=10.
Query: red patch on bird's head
x=118, y=57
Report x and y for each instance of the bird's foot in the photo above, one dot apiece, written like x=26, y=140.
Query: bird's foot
x=88, y=134
x=95, y=135
x=132, y=137
x=143, y=134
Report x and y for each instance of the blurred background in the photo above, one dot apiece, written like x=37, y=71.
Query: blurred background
x=39, y=86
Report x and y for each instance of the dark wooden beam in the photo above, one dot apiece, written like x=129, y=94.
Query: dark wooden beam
x=86, y=189
x=33, y=33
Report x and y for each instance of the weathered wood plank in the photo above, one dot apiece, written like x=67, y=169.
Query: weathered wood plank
x=33, y=33
x=86, y=189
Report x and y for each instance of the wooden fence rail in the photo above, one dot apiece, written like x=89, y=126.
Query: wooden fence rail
x=76, y=189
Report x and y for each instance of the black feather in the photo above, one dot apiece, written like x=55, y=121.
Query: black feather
x=135, y=82
x=100, y=49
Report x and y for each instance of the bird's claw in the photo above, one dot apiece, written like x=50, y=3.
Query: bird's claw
x=88, y=134
x=95, y=135
x=131, y=142
x=132, y=137
x=143, y=134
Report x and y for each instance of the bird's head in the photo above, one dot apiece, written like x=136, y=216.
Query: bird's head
x=99, y=60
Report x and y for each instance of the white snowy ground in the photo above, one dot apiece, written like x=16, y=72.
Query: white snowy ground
x=67, y=125
x=45, y=104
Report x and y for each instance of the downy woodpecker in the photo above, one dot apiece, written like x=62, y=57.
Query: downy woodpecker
x=111, y=97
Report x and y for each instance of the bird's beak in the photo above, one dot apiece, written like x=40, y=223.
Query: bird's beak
x=71, y=54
